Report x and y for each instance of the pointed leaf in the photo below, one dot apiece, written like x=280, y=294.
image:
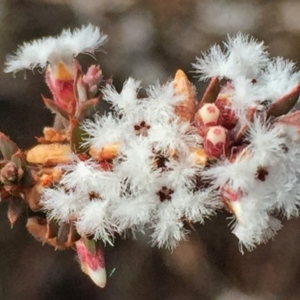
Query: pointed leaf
x=55, y=108
x=63, y=233
x=37, y=227
x=211, y=92
x=7, y=146
x=283, y=105
x=15, y=208
x=52, y=229
x=91, y=245
x=182, y=86
x=73, y=234
x=78, y=136
x=19, y=159
x=86, y=108
x=290, y=119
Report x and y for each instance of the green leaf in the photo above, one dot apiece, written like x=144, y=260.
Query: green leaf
x=78, y=136
x=7, y=146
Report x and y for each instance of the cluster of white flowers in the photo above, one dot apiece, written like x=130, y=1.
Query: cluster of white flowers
x=153, y=180
x=261, y=176
x=152, y=168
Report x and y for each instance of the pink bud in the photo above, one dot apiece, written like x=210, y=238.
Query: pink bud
x=215, y=141
x=208, y=115
x=92, y=78
x=92, y=263
x=229, y=119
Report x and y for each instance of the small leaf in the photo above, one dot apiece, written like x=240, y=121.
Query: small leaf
x=37, y=227
x=86, y=108
x=15, y=208
x=73, y=234
x=52, y=229
x=91, y=245
x=290, y=119
x=182, y=86
x=211, y=92
x=7, y=146
x=78, y=136
x=63, y=233
x=283, y=105
x=55, y=108
x=19, y=159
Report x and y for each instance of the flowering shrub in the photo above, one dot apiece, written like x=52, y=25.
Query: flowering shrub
x=162, y=162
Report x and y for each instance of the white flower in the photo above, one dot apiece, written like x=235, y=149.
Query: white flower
x=40, y=52
x=125, y=101
x=182, y=171
x=161, y=102
x=62, y=205
x=246, y=56
x=168, y=228
x=95, y=219
x=87, y=178
x=102, y=131
x=195, y=206
x=279, y=77
x=134, y=210
x=136, y=164
x=238, y=175
x=244, y=96
x=265, y=142
x=173, y=135
x=242, y=56
x=212, y=64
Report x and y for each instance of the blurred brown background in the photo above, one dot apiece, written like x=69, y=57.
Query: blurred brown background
x=149, y=40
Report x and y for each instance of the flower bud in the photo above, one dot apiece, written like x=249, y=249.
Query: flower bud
x=10, y=173
x=215, y=141
x=223, y=102
x=92, y=262
x=229, y=118
x=208, y=115
x=92, y=78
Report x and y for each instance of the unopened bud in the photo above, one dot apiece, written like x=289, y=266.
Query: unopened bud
x=229, y=118
x=208, y=115
x=10, y=173
x=215, y=141
x=92, y=262
x=92, y=76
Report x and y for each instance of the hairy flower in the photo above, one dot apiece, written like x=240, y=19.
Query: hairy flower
x=53, y=50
